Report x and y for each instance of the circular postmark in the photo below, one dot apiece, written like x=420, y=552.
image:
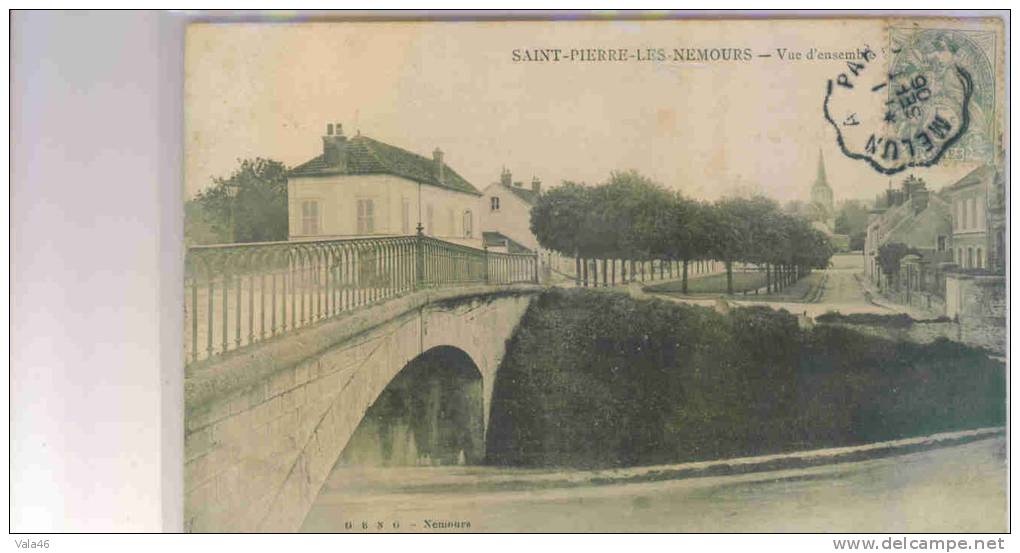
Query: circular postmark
x=907, y=112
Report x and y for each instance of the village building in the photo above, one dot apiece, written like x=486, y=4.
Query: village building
x=911, y=216
x=507, y=205
x=360, y=187
x=978, y=239
x=506, y=223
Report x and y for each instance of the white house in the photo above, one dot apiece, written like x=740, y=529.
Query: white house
x=359, y=186
x=506, y=223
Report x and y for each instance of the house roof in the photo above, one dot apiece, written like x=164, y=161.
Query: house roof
x=492, y=238
x=528, y=195
x=979, y=174
x=367, y=156
x=919, y=229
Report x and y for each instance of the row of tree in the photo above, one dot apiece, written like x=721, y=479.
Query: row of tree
x=632, y=217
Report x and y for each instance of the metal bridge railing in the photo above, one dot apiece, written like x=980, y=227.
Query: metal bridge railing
x=241, y=294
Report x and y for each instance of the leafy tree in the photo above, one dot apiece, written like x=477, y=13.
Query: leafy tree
x=559, y=219
x=248, y=206
x=200, y=227
x=728, y=234
x=889, y=256
x=688, y=236
x=852, y=218
x=637, y=210
x=797, y=208
x=632, y=217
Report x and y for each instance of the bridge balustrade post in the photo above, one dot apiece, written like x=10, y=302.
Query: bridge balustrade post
x=535, y=268
x=485, y=262
x=419, y=258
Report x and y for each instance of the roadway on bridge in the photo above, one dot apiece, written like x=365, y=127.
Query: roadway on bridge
x=951, y=489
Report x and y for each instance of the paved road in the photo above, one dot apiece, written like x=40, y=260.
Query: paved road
x=953, y=489
x=841, y=291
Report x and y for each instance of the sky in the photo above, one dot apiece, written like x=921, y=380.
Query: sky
x=705, y=128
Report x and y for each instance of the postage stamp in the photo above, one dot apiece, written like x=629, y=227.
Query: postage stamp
x=926, y=98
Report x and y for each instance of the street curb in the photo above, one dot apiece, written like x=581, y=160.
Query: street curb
x=731, y=467
x=805, y=459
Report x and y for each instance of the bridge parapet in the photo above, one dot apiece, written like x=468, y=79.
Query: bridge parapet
x=237, y=295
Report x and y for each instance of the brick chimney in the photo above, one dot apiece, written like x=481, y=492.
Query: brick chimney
x=334, y=144
x=437, y=156
x=536, y=185
x=505, y=178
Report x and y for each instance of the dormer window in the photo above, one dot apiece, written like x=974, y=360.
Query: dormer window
x=494, y=203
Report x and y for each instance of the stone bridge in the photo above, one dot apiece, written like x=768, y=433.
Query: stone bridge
x=266, y=423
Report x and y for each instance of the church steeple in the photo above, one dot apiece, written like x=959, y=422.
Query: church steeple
x=821, y=192
x=820, y=180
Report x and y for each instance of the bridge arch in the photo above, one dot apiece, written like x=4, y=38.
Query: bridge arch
x=266, y=425
x=430, y=413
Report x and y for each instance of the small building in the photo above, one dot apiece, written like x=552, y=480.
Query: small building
x=507, y=208
x=361, y=187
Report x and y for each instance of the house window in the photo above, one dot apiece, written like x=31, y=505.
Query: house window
x=494, y=203
x=309, y=217
x=941, y=244
x=405, y=216
x=963, y=214
x=468, y=224
x=429, y=221
x=973, y=212
x=959, y=256
x=366, y=216
x=977, y=258
x=970, y=258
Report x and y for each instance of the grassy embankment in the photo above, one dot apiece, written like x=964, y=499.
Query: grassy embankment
x=715, y=285
x=602, y=380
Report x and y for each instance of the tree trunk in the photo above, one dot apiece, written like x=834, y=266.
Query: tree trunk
x=729, y=278
x=577, y=269
x=768, y=278
x=605, y=269
x=683, y=285
x=585, y=265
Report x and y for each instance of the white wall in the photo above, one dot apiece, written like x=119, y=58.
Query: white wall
x=513, y=218
x=338, y=196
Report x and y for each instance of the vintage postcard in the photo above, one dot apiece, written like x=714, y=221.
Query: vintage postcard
x=585, y=274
